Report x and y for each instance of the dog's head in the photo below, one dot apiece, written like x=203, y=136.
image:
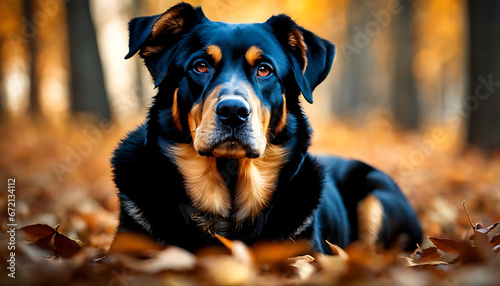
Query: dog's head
x=231, y=85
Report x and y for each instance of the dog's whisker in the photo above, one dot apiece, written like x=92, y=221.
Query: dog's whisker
x=191, y=133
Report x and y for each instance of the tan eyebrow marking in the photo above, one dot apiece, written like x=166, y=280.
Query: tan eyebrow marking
x=253, y=54
x=215, y=52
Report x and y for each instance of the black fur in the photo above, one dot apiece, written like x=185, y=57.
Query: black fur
x=325, y=189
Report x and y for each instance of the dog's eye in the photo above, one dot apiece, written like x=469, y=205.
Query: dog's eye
x=201, y=67
x=264, y=70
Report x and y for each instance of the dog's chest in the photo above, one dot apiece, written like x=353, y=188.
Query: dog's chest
x=218, y=201
x=211, y=225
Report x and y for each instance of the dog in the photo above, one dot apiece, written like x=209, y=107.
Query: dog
x=224, y=149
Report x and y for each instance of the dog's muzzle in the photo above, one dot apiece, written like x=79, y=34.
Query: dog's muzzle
x=235, y=128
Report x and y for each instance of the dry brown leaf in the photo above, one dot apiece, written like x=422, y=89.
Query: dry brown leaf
x=412, y=263
x=133, y=243
x=226, y=270
x=239, y=250
x=495, y=241
x=429, y=254
x=487, y=229
x=493, y=230
x=271, y=253
x=66, y=247
x=331, y=264
x=44, y=242
x=242, y=253
x=34, y=232
x=304, y=268
x=41, y=235
x=307, y=258
x=483, y=247
x=171, y=258
x=447, y=244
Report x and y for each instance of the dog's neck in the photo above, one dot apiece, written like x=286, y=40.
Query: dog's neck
x=228, y=168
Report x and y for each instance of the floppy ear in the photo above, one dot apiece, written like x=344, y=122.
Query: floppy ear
x=156, y=36
x=310, y=57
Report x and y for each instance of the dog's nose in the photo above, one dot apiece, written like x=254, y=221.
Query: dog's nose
x=233, y=111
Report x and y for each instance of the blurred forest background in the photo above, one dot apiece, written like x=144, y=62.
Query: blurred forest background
x=414, y=90
x=413, y=62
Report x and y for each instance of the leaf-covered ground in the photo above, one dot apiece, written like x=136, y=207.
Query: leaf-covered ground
x=63, y=181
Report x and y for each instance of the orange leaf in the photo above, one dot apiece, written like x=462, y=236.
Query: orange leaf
x=227, y=242
x=278, y=252
x=447, y=244
x=239, y=249
x=133, y=243
x=35, y=232
x=429, y=255
x=66, y=247
x=337, y=250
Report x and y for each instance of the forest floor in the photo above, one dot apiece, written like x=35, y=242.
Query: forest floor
x=63, y=178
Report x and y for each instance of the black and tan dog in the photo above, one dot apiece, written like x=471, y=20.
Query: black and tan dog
x=224, y=148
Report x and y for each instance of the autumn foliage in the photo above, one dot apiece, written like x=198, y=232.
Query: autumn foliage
x=67, y=222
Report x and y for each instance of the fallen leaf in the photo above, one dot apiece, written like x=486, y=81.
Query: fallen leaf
x=242, y=253
x=35, y=232
x=332, y=264
x=337, y=250
x=133, y=243
x=412, y=263
x=227, y=242
x=429, y=254
x=307, y=258
x=226, y=270
x=44, y=242
x=482, y=247
x=480, y=251
x=41, y=235
x=239, y=250
x=271, y=253
x=171, y=258
x=447, y=244
x=488, y=229
x=65, y=247
x=304, y=268
x=495, y=240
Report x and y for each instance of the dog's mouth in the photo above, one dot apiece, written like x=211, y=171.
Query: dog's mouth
x=231, y=148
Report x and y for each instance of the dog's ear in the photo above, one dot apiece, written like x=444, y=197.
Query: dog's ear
x=156, y=36
x=310, y=57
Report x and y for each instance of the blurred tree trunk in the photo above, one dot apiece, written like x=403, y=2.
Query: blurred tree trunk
x=483, y=98
x=3, y=111
x=137, y=8
x=34, y=90
x=358, y=58
x=88, y=92
x=405, y=104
